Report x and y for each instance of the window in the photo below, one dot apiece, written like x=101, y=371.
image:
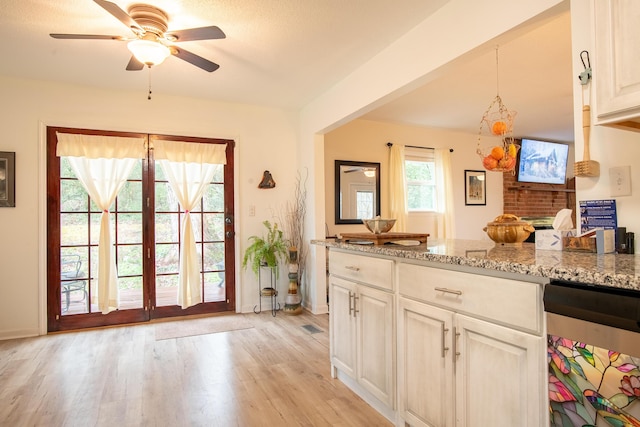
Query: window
x=420, y=170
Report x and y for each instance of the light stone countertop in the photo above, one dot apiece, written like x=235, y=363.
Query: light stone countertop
x=614, y=270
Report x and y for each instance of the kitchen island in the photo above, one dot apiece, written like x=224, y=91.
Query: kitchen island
x=452, y=332
x=617, y=270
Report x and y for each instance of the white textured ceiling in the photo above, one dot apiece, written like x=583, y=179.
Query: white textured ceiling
x=534, y=77
x=277, y=52
x=284, y=53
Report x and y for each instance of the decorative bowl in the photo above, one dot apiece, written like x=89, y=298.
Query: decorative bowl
x=508, y=229
x=378, y=226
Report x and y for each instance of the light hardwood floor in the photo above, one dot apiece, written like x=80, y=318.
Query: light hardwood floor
x=273, y=374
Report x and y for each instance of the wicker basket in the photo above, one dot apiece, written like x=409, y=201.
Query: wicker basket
x=497, y=124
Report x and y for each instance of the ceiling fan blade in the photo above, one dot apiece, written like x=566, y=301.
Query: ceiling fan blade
x=87, y=37
x=194, y=59
x=134, y=64
x=202, y=33
x=120, y=15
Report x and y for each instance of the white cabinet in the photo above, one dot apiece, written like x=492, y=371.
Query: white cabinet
x=361, y=318
x=616, y=66
x=342, y=337
x=498, y=375
x=470, y=350
x=425, y=364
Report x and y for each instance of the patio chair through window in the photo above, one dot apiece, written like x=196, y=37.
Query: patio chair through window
x=72, y=281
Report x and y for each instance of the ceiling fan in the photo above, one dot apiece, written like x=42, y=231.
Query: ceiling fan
x=152, y=43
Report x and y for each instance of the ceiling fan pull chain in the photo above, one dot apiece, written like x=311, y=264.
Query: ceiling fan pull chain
x=149, y=95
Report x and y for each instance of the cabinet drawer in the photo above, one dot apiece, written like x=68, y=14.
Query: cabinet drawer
x=510, y=302
x=365, y=269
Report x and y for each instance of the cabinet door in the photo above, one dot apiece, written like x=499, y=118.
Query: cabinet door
x=425, y=365
x=617, y=68
x=342, y=325
x=375, y=316
x=498, y=375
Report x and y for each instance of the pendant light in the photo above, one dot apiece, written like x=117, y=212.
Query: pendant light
x=497, y=124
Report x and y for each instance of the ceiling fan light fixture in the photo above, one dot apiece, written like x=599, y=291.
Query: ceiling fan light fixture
x=149, y=52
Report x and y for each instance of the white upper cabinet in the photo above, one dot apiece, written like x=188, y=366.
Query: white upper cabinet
x=616, y=66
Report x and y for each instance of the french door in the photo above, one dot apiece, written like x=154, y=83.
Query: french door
x=145, y=219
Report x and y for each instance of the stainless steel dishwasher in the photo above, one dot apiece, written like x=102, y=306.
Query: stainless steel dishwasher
x=593, y=355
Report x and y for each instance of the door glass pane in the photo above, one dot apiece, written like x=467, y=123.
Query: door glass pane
x=73, y=229
x=130, y=197
x=130, y=292
x=73, y=197
x=166, y=290
x=218, y=175
x=136, y=173
x=65, y=169
x=196, y=222
x=214, y=287
x=166, y=201
x=214, y=227
x=129, y=228
x=73, y=280
x=167, y=228
x=129, y=260
x=213, y=198
x=94, y=226
x=167, y=258
x=213, y=256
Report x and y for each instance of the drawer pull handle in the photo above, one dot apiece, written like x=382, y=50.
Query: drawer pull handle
x=352, y=268
x=355, y=310
x=350, y=307
x=444, y=332
x=449, y=291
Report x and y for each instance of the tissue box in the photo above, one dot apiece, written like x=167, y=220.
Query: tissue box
x=551, y=240
x=595, y=241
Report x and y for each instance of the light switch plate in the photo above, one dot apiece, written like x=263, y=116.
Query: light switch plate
x=620, y=181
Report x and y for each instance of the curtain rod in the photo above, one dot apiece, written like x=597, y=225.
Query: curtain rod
x=390, y=144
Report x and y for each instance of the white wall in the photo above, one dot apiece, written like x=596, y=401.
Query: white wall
x=608, y=146
x=265, y=139
x=365, y=140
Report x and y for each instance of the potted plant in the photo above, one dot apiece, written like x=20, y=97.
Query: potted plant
x=266, y=252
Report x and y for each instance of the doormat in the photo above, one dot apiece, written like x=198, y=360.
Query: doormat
x=311, y=329
x=201, y=326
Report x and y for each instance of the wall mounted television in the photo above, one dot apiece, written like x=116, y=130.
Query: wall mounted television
x=542, y=162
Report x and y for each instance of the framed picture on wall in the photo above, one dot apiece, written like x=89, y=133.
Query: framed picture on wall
x=475, y=188
x=7, y=179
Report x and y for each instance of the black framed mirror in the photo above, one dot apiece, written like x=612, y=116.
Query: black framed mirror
x=357, y=191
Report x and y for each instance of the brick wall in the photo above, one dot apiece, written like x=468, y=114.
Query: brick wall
x=526, y=199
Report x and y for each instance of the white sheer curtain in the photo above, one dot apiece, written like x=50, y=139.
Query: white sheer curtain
x=444, y=189
x=397, y=188
x=102, y=164
x=189, y=168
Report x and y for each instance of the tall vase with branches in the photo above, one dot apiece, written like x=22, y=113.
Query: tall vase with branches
x=292, y=217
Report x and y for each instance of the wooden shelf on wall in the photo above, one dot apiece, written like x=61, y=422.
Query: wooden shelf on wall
x=547, y=189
